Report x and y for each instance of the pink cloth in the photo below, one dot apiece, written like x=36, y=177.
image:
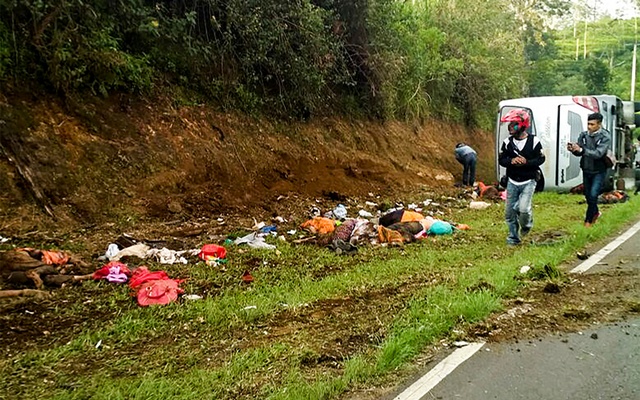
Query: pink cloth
x=114, y=272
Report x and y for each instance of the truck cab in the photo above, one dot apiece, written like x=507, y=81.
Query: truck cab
x=557, y=120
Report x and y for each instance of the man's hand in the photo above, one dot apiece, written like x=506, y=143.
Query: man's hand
x=518, y=160
x=572, y=147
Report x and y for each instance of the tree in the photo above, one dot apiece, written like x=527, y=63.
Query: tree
x=596, y=75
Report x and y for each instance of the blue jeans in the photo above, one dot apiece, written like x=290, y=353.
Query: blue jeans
x=592, y=186
x=469, y=170
x=519, y=212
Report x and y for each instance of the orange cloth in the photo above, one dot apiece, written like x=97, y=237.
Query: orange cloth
x=483, y=188
x=48, y=257
x=54, y=257
x=319, y=225
x=411, y=216
x=386, y=235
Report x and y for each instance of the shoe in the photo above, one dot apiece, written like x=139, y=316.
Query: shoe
x=595, y=217
x=587, y=224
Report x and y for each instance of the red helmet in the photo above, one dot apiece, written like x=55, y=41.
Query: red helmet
x=519, y=116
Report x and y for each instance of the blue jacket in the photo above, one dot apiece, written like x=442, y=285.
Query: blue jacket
x=463, y=151
x=594, y=148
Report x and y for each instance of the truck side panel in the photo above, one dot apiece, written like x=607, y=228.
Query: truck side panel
x=571, y=119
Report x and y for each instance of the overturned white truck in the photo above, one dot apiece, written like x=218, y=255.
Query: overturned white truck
x=557, y=120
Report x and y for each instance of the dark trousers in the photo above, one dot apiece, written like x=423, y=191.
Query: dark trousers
x=469, y=169
x=593, y=182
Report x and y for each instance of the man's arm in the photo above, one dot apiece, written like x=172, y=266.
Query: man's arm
x=503, y=158
x=539, y=157
x=601, y=148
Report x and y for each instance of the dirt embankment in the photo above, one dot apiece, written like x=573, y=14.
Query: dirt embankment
x=106, y=159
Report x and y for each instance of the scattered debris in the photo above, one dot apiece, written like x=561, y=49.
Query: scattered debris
x=551, y=287
x=577, y=314
x=40, y=267
x=154, y=287
x=582, y=255
x=247, y=277
x=479, y=205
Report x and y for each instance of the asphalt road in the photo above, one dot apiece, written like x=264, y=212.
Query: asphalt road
x=602, y=362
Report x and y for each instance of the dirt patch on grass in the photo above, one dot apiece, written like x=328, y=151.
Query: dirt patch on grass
x=579, y=301
x=30, y=324
x=330, y=330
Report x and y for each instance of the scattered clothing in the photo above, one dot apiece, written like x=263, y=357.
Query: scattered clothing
x=139, y=250
x=400, y=215
x=114, y=272
x=440, y=228
x=255, y=241
x=154, y=287
x=166, y=256
x=343, y=231
x=212, y=250
x=616, y=196
x=319, y=225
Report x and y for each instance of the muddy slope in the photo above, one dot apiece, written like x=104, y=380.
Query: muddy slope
x=103, y=159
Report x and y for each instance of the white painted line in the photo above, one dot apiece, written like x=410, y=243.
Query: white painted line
x=423, y=385
x=594, y=259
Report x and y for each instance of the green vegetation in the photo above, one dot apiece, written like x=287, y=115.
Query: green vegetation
x=268, y=339
x=383, y=58
x=566, y=64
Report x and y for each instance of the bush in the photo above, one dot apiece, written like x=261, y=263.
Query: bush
x=294, y=58
x=5, y=52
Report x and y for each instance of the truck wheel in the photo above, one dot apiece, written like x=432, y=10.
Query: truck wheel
x=608, y=182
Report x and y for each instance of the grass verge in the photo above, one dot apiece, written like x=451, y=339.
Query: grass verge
x=313, y=324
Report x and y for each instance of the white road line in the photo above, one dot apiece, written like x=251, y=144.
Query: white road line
x=594, y=259
x=423, y=385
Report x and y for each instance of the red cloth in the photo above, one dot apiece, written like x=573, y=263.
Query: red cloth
x=142, y=275
x=162, y=292
x=103, y=272
x=154, y=287
x=212, y=250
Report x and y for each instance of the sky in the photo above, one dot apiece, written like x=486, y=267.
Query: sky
x=616, y=9
x=623, y=9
